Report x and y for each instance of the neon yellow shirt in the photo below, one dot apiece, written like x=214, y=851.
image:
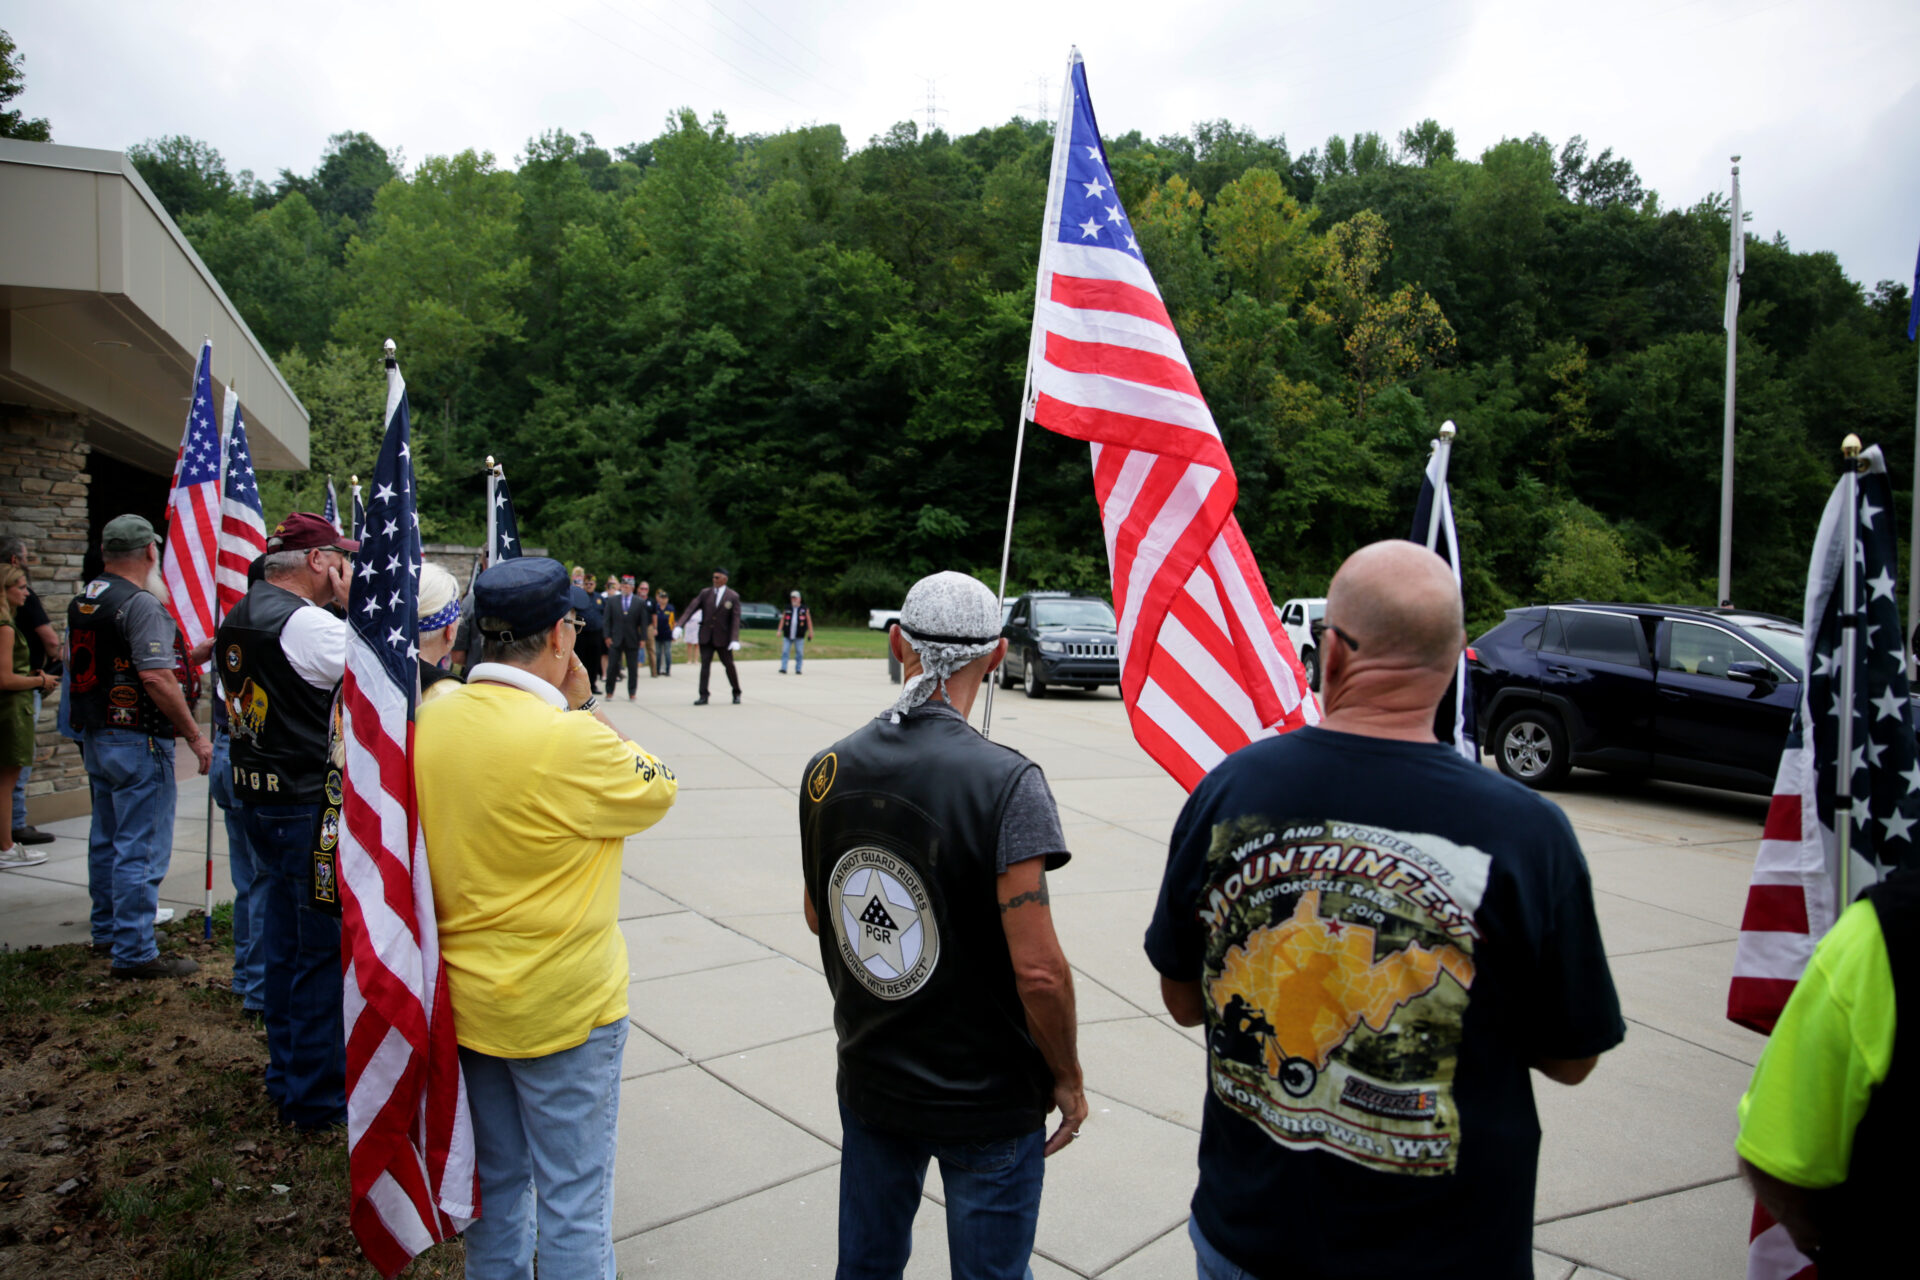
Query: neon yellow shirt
x=525, y=809
x=1831, y=1049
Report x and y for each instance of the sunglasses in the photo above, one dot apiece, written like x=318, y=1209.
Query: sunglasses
x=1318, y=629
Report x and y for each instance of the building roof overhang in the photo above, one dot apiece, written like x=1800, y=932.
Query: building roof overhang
x=104, y=305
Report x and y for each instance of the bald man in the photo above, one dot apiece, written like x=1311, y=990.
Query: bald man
x=1382, y=941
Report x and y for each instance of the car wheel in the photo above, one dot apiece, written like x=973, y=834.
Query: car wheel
x=1030, y=670
x=1531, y=747
x=1310, y=662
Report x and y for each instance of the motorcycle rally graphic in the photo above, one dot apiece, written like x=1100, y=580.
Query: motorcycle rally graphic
x=1339, y=967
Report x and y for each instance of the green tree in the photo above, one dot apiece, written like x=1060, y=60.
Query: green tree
x=15, y=123
x=189, y=176
x=438, y=273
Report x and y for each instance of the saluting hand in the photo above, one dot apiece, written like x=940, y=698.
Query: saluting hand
x=575, y=686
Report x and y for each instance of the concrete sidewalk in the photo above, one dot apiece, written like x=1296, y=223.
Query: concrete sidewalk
x=729, y=1128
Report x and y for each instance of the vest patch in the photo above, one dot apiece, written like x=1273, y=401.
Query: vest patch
x=882, y=919
x=821, y=780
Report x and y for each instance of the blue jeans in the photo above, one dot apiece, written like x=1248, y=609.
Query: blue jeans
x=20, y=783
x=993, y=1202
x=543, y=1141
x=300, y=988
x=798, y=646
x=663, y=653
x=130, y=842
x=1208, y=1262
x=249, y=959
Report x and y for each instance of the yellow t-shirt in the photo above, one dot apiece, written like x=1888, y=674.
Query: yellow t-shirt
x=1830, y=1050
x=525, y=809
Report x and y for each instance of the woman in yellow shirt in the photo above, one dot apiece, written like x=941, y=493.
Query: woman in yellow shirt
x=526, y=797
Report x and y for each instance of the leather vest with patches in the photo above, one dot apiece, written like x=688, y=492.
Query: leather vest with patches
x=899, y=826
x=278, y=721
x=107, y=691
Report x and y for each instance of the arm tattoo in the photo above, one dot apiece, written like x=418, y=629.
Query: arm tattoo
x=1022, y=899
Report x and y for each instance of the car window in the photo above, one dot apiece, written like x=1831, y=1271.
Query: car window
x=1709, y=651
x=1019, y=618
x=1786, y=642
x=1318, y=609
x=1602, y=637
x=1292, y=616
x=1531, y=640
x=1073, y=613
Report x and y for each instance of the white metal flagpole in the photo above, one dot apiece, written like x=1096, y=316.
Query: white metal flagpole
x=493, y=520
x=1443, y=451
x=1736, y=264
x=1849, y=612
x=1049, y=234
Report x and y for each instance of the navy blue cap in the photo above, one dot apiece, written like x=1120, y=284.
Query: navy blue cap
x=521, y=597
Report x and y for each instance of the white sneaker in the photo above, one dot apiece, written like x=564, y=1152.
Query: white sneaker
x=15, y=858
x=163, y=915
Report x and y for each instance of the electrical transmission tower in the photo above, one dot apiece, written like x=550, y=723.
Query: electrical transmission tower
x=934, y=109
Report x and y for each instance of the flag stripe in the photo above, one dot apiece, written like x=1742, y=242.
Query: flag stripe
x=1083, y=294
x=1107, y=359
x=1775, y=908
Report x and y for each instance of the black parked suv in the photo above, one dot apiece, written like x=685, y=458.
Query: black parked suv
x=1059, y=638
x=1690, y=695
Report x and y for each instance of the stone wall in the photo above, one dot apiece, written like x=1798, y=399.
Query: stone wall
x=458, y=560
x=43, y=498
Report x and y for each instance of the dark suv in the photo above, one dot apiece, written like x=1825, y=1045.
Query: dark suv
x=1058, y=638
x=1690, y=695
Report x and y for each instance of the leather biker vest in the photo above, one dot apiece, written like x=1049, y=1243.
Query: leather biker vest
x=899, y=827
x=278, y=720
x=107, y=691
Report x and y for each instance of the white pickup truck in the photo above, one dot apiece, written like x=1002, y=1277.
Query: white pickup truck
x=881, y=619
x=1298, y=616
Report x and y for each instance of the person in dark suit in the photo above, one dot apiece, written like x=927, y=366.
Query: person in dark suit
x=719, y=610
x=626, y=615
x=591, y=643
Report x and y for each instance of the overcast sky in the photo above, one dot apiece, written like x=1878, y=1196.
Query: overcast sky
x=1820, y=97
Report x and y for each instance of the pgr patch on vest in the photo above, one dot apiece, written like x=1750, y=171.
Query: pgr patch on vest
x=883, y=922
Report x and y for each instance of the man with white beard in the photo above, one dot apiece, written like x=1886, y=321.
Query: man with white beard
x=128, y=706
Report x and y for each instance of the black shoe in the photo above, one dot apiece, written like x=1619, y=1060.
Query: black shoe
x=700, y=701
x=736, y=697
x=100, y=948
x=159, y=967
x=31, y=835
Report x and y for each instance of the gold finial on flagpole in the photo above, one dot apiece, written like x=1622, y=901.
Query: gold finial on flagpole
x=353, y=479
x=1850, y=450
x=1448, y=430
x=489, y=462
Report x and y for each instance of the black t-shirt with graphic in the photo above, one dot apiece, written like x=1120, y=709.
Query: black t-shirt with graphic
x=1386, y=936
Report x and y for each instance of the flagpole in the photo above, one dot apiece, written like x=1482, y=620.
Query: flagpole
x=1443, y=451
x=1913, y=543
x=1849, y=615
x=1006, y=542
x=1049, y=232
x=1736, y=263
x=493, y=530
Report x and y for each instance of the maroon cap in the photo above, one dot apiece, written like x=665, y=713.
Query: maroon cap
x=303, y=531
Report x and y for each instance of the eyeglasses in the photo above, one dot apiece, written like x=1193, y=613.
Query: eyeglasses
x=1318, y=629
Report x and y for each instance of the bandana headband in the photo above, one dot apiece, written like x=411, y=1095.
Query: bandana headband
x=445, y=618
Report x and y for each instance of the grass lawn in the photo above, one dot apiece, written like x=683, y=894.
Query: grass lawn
x=827, y=642
x=137, y=1139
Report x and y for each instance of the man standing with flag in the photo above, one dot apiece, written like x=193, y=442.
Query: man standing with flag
x=281, y=655
x=1382, y=941
x=1796, y=894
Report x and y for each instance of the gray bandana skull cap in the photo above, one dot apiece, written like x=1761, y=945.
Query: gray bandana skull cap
x=950, y=619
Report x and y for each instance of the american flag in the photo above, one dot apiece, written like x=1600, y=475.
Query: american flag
x=331, y=514
x=1794, y=897
x=503, y=527
x=193, y=513
x=409, y=1136
x=1205, y=666
x=1455, y=722
x=243, y=525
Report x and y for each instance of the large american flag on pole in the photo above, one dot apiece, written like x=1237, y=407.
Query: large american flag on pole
x=1794, y=896
x=409, y=1135
x=1205, y=666
x=243, y=525
x=193, y=513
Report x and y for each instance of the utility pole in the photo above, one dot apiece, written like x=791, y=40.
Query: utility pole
x=934, y=108
x=1736, y=263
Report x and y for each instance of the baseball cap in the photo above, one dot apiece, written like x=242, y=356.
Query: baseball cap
x=127, y=533
x=304, y=531
x=521, y=597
